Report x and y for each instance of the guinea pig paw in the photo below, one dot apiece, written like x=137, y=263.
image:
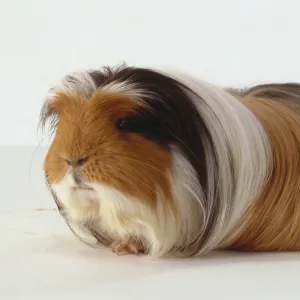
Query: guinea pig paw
x=126, y=247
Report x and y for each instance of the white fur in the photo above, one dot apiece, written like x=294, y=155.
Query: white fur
x=126, y=88
x=239, y=139
x=83, y=84
x=189, y=198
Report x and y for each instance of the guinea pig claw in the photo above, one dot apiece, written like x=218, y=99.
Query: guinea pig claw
x=123, y=248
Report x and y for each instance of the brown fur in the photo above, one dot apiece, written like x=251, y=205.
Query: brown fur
x=272, y=223
x=87, y=130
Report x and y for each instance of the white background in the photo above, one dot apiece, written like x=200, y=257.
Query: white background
x=228, y=42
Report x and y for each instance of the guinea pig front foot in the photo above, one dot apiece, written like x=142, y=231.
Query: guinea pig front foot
x=127, y=247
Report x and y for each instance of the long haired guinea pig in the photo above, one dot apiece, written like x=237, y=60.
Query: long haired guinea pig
x=167, y=165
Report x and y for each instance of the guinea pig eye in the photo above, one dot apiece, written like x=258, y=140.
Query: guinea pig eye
x=148, y=127
x=122, y=123
x=126, y=124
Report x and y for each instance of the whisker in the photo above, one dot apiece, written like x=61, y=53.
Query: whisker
x=142, y=163
x=32, y=157
x=132, y=184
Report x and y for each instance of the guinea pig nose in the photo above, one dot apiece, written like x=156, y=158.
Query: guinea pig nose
x=76, y=162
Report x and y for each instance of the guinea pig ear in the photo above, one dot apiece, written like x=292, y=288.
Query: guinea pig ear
x=48, y=115
x=52, y=109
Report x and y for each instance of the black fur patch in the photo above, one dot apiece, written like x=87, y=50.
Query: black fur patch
x=175, y=119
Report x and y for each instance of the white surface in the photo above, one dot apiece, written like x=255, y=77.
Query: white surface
x=40, y=259
x=230, y=42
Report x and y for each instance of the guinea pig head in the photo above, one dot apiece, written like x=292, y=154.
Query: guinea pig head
x=114, y=167
x=101, y=142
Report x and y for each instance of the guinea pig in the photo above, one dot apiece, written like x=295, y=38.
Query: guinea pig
x=163, y=164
